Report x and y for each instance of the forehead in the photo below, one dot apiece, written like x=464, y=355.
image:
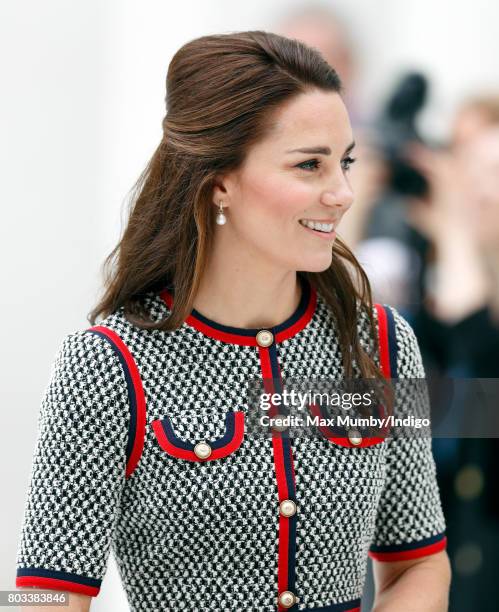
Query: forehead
x=313, y=118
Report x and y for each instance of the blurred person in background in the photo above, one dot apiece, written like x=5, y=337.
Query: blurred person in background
x=323, y=29
x=458, y=329
x=460, y=217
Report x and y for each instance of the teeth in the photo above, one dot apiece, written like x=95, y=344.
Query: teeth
x=321, y=227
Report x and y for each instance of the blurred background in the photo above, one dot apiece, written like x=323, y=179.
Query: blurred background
x=82, y=103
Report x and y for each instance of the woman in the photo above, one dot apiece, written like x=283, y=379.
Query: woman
x=230, y=270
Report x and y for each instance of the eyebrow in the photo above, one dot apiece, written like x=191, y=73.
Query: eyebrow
x=320, y=150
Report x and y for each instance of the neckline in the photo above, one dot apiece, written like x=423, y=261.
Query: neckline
x=247, y=336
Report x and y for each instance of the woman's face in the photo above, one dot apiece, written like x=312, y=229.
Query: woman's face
x=282, y=186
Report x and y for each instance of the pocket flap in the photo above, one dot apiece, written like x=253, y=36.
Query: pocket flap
x=204, y=449
x=351, y=438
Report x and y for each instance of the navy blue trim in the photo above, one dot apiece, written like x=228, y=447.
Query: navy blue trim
x=392, y=341
x=46, y=573
x=132, y=429
x=286, y=449
x=276, y=377
x=409, y=545
x=340, y=607
x=247, y=331
x=301, y=308
x=288, y=470
x=274, y=367
x=230, y=426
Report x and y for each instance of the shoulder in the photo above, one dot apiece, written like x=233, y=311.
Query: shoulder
x=408, y=353
x=87, y=378
x=86, y=352
x=85, y=403
x=392, y=324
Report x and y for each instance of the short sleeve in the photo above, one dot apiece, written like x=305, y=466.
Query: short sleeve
x=78, y=469
x=410, y=522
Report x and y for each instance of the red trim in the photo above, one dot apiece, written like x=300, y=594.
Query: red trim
x=268, y=380
x=242, y=339
x=343, y=440
x=190, y=455
x=282, y=489
x=280, y=471
x=206, y=329
x=415, y=553
x=292, y=466
x=167, y=297
x=302, y=321
x=140, y=427
x=384, y=350
x=56, y=583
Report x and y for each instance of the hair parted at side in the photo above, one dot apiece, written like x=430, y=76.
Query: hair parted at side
x=220, y=93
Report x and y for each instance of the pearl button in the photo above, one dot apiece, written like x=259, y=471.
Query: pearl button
x=276, y=420
x=287, y=599
x=355, y=438
x=202, y=450
x=287, y=507
x=264, y=337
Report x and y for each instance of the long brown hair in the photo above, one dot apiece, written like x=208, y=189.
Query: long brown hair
x=221, y=91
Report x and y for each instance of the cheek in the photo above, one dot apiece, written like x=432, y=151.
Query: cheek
x=276, y=198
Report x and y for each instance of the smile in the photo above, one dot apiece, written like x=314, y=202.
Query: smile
x=325, y=230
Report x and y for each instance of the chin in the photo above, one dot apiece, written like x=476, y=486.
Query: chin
x=316, y=264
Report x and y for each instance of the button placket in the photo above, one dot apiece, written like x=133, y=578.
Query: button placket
x=284, y=470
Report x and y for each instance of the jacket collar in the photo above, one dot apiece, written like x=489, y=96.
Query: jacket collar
x=247, y=336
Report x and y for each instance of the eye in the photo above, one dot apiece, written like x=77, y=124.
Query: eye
x=309, y=161
x=347, y=162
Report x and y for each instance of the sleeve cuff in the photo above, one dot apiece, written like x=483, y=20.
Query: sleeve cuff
x=53, y=579
x=410, y=550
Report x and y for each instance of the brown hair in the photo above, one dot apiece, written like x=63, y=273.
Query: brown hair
x=221, y=91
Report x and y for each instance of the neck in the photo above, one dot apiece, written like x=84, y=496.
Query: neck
x=241, y=294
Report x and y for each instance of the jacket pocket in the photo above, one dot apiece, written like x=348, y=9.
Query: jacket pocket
x=205, y=448
x=348, y=436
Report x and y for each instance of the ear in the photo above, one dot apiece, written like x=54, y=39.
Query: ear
x=223, y=190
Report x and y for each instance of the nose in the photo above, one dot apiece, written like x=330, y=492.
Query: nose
x=340, y=196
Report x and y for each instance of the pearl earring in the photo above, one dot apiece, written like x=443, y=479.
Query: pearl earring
x=221, y=218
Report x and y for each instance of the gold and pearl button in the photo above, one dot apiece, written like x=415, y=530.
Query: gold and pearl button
x=264, y=338
x=277, y=422
x=287, y=507
x=354, y=437
x=287, y=599
x=202, y=450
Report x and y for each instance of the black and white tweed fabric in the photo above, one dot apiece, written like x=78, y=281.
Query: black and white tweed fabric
x=207, y=535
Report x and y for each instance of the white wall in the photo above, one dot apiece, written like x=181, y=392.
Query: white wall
x=81, y=109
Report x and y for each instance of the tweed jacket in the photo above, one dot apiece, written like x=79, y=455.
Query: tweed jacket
x=142, y=450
